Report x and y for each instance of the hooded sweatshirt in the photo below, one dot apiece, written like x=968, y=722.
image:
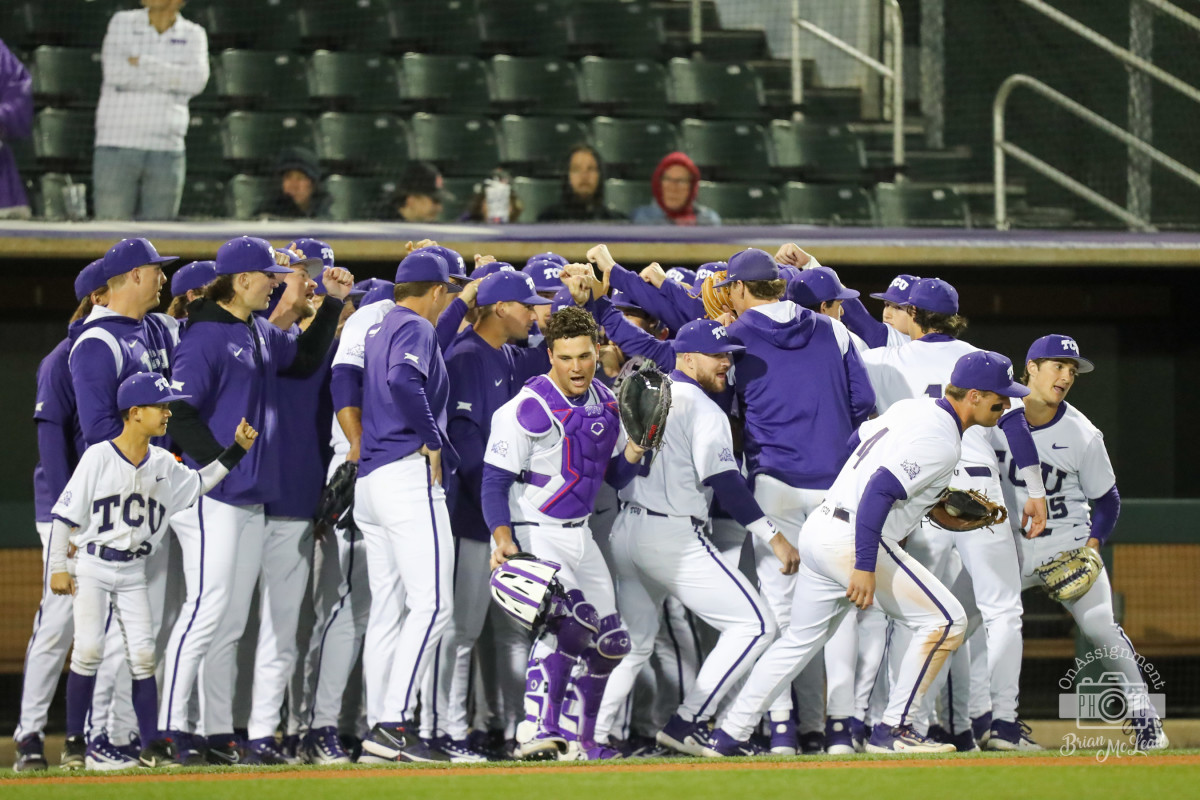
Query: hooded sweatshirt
x=692, y=213
x=803, y=390
x=60, y=440
x=572, y=207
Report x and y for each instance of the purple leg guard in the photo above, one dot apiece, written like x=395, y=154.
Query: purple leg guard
x=569, y=630
x=587, y=688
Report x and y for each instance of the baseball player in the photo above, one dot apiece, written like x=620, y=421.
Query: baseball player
x=229, y=363
x=900, y=463
x=819, y=289
x=559, y=438
x=1078, y=473
x=112, y=511
x=400, y=503
x=485, y=371
x=896, y=327
x=675, y=304
x=187, y=285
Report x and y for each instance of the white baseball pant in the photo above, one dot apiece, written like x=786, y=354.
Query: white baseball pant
x=583, y=565
x=97, y=583
x=852, y=658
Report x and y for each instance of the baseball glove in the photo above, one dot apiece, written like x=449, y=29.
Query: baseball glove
x=716, y=298
x=337, y=501
x=644, y=399
x=1069, y=575
x=965, y=510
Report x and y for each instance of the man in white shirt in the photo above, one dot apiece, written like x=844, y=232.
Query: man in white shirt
x=154, y=61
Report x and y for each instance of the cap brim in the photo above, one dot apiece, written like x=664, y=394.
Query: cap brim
x=1014, y=389
x=537, y=300
x=313, y=265
x=163, y=260
x=889, y=298
x=452, y=287
x=275, y=268
x=160, y=400
x=726, y=282
x=846, y=294
x=1085, y=366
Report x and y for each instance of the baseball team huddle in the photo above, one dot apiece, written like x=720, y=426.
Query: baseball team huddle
x=565, y=511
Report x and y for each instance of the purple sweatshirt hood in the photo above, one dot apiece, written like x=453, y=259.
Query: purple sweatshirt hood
x=791, y=334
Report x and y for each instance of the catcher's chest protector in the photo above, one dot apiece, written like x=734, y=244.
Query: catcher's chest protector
x=589, y=434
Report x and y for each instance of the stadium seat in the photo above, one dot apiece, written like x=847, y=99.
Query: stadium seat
x=537, y=194
x=619, y=29
x=205, y=154
x=457, y=143
x=229, y=23
x=677, y=16
x=626, y=195
x=632, y=147
x=827, y=204
x=623, y=87
x=522, y=27
x=527, y=85
x=262, y=79
x=352, y=81
x=66, y=76
x=63, y=138
x=203, y=198
x=443, y=83
x=715, y=90
x=245, y=194
x=256, y=137
x=356, y=198
x=343, y=24
x=921, y=206
x=725, y=45
x=539, y=145
x=460, y=191
x=48, y=200
x=741, y=202
x=362, y=143
x=433, y=26
x=727, y=150
x=815, y=151
x=70, y=23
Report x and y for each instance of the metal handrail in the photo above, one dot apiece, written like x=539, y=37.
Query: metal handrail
x=893, y=73
x=1002, y=148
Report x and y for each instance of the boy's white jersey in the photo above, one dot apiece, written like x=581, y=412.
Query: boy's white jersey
x=351, y=351
x=917, y=441
x=1075, y=467
x=697, y=445
x=110, y=502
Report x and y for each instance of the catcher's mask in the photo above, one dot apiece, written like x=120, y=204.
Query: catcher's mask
x=524, y=587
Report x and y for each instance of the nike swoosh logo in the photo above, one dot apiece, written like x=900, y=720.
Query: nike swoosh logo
x=156, y=480
x=500, y=381
x=238, y=352
x=1059, y=446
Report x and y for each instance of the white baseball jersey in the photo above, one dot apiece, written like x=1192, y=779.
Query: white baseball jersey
x=1075, y=467
x=517, y=450
x=697, y=445
x=351, y=352
x=918, y=442
x=113, y=503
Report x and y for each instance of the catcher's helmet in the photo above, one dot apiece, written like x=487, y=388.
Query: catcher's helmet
x=524, y=587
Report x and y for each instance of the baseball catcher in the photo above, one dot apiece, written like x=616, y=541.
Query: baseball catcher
x=965, y=510
x=1070, y=574
x=644, y=400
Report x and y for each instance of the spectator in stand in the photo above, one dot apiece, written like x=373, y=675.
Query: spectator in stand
x=494, y=201
x=301, y=195
x=582, y=191
x=675, y=184
x=420, y=194
x=16, y=119
x=154, y=61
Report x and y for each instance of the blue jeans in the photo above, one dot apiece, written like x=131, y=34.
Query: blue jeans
x=137, y=184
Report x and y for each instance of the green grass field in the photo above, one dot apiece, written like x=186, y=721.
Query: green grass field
x=984, y=775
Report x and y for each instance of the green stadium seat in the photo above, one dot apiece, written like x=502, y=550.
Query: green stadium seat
x=741, y=202
x=827, y=204
x=443, y=83
x=356, y=197
x=352, y=81
x=343, y=24
x=458, y=144
x=229, y=23
x=633, y=147
x=48, y=200
x=618, y=29
x=677, y=16
x=245, y=194
x=921, y=206
x=537, y=194
x=254, y=138
x=63, y=138
x=731, y=45
x=70, y=23
x=715, y=90
x=433, y=26
x=539, y=145
x=461, y=190
x=66, y=76
x=203, y=198
x=626, y=195
x=816, y=151
x=522, y=27
x=623, y=87
x=262, y=79
x=727, y=150
x=205, y=153
x=362, y=143
x=534, y=85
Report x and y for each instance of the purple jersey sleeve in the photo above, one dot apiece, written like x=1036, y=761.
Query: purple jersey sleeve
x=1020, y=440
x=632, y=340
x=346, y=386
x=670, y=304
x=407, y=386
x=736, y=499
x=449, y=322
x=494, y=496
x=95, y=378
x=882, y=491
x=1105, y=510
x=862, y=394
x=856, y=317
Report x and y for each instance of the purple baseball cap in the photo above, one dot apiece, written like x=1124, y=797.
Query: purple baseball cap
x=898, y=290
x=818, y=285
x=555, y=257
x=751, y=264
x=490, y=268
x=710, y=268
x=422, y=265
x=146, y=389
x=621, y=300
x=704, y=336
x=682, y=275
x=562, y=299
x=130, y=254
x=248, y=254
x=1061, y=347
x=314, y=249
x=934, y=294
x=453, y=259
x=195, y=275
x=545, y=274
x=380, y=290
x=988, y=372
x=504, y=286
x=89, y=279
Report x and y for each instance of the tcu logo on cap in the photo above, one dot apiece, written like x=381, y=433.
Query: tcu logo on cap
x=1010, y=372
x=900, y=283
x=701, y=274
x=162, y=384
x=1070, y=344
x=675, y=275
x=719, y=332
x=327, y=254
x=553, y=272
x=532, y=285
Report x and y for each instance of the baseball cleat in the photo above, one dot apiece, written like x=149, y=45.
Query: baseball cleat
x=1150, y=734
x=491, y=743
x=134, y=748
x=190, y=748
x=965, y=742
x=689, y=738
x=398, y=743
x=31, y=755
x=290, y=747
x=939, y=734
x=839, y=738
x=266, y=750
x=159, y=753
x=812, y=743
x=74, y=754
x=226, y=751
x=322, y=746
x=722, y=745
x=1011, y=735
x=784, y=741
x=903, y=739
x=580, y=751
x=459, y=750
x=858, y=731
x=981, y=726
x=544, y=746
x=104, y=756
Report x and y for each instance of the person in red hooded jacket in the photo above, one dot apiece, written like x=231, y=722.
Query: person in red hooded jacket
x=675, y=184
